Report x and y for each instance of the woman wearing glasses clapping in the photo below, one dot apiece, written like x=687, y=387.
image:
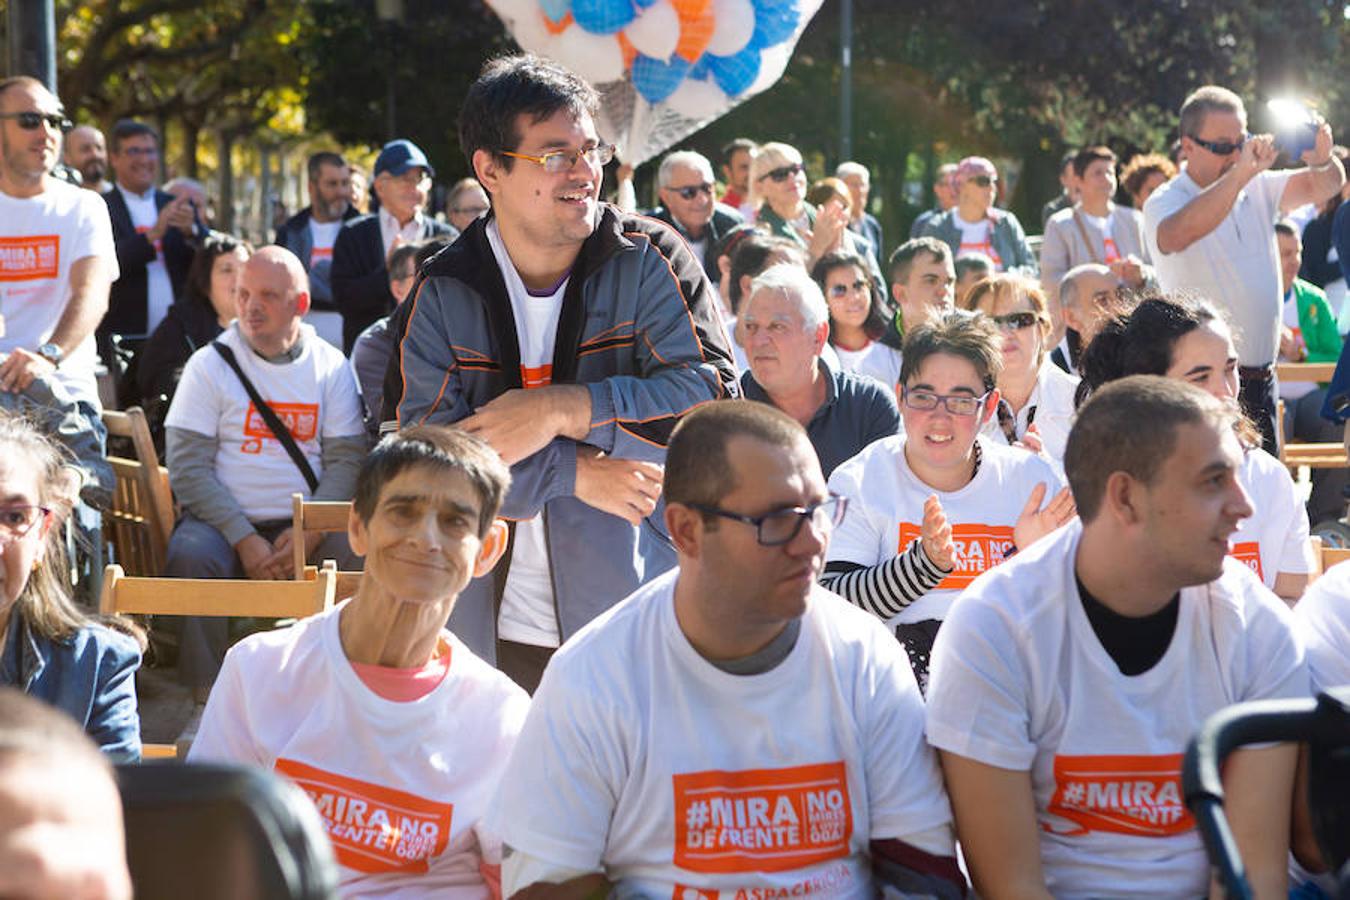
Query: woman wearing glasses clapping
x=778, y=192
x=1035, y=408
x=48, y=647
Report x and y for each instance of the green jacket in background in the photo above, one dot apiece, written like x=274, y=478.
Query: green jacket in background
x=1317, y=323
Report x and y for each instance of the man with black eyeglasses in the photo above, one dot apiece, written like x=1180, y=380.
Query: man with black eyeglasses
x=730, y=729
x=686, y=189
x=1209, y=229
x=57, y=258
x=571, y=337
x=933, y=508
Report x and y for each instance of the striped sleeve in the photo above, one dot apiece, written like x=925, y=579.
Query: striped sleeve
x=885, y=589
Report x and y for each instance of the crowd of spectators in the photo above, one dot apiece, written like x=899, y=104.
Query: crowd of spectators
x=718, y=549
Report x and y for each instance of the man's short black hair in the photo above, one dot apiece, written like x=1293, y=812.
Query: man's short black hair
x=971, y=337
x=440, y=448
x=513, y=85
x=125, y=129
x=903, y=257
x=321, y=159
x=731, y=148
x=1131, y=426
x=1089, y=155
x=1287, y=228
x=403, y=261
x=698, y=469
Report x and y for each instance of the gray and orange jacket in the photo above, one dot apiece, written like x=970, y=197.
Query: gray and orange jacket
x=639, y=327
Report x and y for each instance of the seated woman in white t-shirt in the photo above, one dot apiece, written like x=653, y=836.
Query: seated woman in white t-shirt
x=932, y=508
x=1189, y=339
x=1035, y=406
x=858, y=317
x=391, y=725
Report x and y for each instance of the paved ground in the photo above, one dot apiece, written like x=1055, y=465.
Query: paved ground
x=165, y=705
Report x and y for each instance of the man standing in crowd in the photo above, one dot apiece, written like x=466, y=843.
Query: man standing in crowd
x=56, y=252
x=731, y=729
x=944, y=192
x=686, y=182
x=231, y=471
x=1067, y=682
x=1209, y=229
x=922, y=278
x=570, y=336
x=311, y=233
x=862, y=222
x=783, y=328
x=736, y=159
x=153, y=231
x=1068, y=195
x=360, y=277
x=86, y=153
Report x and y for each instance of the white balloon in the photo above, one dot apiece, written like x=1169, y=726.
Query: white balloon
x=656, y=31
x=595, y=57
x=698, y=99
x=735, y=26
x=529, y=30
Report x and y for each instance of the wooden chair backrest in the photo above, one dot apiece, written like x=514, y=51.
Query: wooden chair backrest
x=1305, y=371
x=141, y=518
x=217, y=596
x=316, y=516
x=1333, y=555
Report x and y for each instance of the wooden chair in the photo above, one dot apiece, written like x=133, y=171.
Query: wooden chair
x=218, y=596
x=141, y=518
x=159, y=751
x=1333, y=555
x=1304, y=371
x=321, y=517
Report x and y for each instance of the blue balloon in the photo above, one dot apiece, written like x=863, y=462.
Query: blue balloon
x=555, y=9
x=734, y=74
x=603, y=16
x=656, y=80
x=701, y=70
x=645, y=3
x=775, y=21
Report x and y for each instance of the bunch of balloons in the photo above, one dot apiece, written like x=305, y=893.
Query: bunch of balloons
x=695, y=58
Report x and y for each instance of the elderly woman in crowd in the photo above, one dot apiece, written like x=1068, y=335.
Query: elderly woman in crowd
x=1035, y=395
x=195, y=320
x=49, y=649
x=858, y=317
x=778, y=190
x=975, y=225
x=385, y=718
x=1189, y=339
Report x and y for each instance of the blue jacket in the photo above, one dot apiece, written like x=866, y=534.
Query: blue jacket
x=91, y=677
x=1007, y=238
x=639, y=328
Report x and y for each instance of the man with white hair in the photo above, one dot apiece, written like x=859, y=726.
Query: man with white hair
x=859, y=181
x=686, y=182
x=783, y=328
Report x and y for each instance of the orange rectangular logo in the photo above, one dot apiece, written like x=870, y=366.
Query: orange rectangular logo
x=30, y=257
x=536, y=376
x=978, y=549
x=1137, y=795
x=1249, y=553
x=374, y=828
x=300, y=419
x=762, y=820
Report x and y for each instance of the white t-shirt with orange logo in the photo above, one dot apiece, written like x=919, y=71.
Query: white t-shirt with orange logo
x=402, y=787
x=40, y=238
x=1274, y=538
x=641, y=759
x=1019, y=680
x=528, y=615
x=885, y=512
x=315, y=396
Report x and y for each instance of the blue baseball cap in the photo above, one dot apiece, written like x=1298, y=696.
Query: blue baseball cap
x=397, y=157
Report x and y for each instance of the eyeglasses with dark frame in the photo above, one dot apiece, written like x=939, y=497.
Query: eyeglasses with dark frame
x=983, y=180
x=557, y=162
x=689, y=192
x=956, y=404
x=1223, y=148
x=783, y=173
x=32, y=121
x=1015, y=321
x=774, y=529
x=17, y=519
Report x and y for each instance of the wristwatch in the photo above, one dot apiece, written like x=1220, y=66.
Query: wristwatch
x=52, y=353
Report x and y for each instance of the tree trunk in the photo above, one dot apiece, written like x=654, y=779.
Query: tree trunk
x=225, y=147
x=191, y=136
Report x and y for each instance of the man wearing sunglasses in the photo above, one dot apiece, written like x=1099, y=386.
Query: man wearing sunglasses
x=1209, y=229
x=360, y=272
x=571, y=337
x=686, y=189
x=731, y=729
x=57, y=257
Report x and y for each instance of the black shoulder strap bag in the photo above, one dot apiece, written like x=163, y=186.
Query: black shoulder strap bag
x=282, y=433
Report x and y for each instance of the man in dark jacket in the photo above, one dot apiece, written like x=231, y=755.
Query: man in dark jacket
x=311, y=233
x=360, y=277
x=686, y=182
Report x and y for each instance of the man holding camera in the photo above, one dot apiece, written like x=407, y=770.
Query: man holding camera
x=1209, y=229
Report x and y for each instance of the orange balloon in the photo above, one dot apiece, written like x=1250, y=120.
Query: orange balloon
x=628, y=50
x=556, y=27
x=691, y=9
x=695, y=33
